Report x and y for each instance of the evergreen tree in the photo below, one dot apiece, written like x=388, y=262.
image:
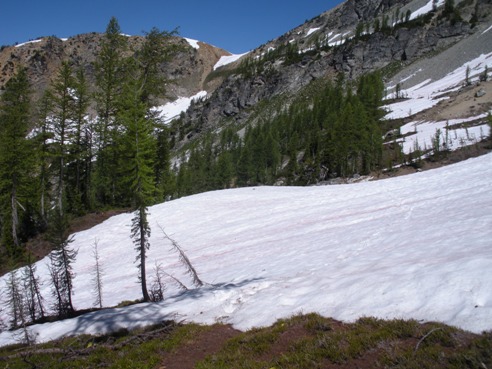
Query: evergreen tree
x=448, y=7
x=138, y=146
x=109, y=68
x=78, y=171
x=155, y=51
x=377, y=25
x=98, y=272
x=370, y=90
x=63, y=111
x=15, y=157
x=44, y=152
x=359, y=30
x=15, y=300
x=33, y=298
x=164, y=178
x=61, y=266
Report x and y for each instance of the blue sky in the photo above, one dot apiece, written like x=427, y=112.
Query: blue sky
x=237, y=26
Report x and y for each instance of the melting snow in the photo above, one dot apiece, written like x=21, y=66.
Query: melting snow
x=426, y=94
x=423, y=134
x=193, y=43
x=228, y=59
x=29, y=42
x=312, y=30
x=416, y=246
x=172, y=110
x=425, y=9
x=487, y=30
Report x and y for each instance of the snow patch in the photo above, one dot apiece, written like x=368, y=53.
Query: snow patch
x=193, y=43
x=487, y=30
x=426, y=94
x=421, y=135
x=416, y=246
x=29, y=42
x=228, y=59
x=312, y=30
x=425, y=9
x=172, y=110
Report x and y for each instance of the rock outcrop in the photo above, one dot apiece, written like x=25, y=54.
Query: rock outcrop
x=187, y=70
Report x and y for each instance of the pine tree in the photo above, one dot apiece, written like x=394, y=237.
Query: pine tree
x=63, y=108
x=138, y=162
x=80, y=150
x=44, y=152
x=32, y=284
x=448, y=7
x=97, y=276
x=164, y=178
x=15, y=156
x=155, y=51
x=61, y=267
x=109, y=68
x=15, y=300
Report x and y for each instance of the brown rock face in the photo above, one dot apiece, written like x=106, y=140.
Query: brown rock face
x=187, y=69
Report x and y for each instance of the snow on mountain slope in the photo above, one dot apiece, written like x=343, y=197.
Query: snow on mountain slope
x=173, y=109
x=417, y=246
x=429, y=93
x=228, y=59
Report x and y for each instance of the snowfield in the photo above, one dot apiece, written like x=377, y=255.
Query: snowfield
x=417, y=246
x=427, y=94
x=172, y=110
x=421, y=135
x=228, y=59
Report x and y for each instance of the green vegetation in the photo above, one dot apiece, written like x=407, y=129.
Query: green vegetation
x=70, y=165
x=142, y=348
x=319, y=342
x=303, y=341
x=330, y=130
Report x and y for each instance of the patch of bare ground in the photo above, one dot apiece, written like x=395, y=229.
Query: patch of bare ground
x=461, y=104
x=445, y=158
x=187, y=355
x=39, y=246
x=315, y=342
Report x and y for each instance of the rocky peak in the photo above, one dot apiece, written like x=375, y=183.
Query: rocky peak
x=327, y=45
x=42, y=57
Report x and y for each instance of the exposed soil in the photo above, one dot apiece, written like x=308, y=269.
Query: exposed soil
x=384, y=354
x=40, y=247
x=447, y=158
x=195, y=350
x=461, y=104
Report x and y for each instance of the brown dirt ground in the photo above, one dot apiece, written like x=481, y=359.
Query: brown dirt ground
x=211, y=341
x=461, y=104
x=206, y=343
x=40, y=247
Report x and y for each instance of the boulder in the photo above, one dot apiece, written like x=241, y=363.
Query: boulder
x=480, y=92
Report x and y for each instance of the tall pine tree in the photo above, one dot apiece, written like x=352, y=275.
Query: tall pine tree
x=63, y=111
x=138, y=152
x=109, y=68
x=15, y=163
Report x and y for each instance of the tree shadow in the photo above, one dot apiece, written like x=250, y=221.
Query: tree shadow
x=110, y=320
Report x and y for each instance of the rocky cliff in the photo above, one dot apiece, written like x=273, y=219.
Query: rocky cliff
x=351, y=39
x=187, y=69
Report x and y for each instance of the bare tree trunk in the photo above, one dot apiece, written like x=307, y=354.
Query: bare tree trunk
x=60, y=186
x=98, y=272
x=15, y=217
x=143, y=247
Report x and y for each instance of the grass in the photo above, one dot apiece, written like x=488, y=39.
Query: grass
x=371, y=342
x=303, y=341
x=143, y=348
